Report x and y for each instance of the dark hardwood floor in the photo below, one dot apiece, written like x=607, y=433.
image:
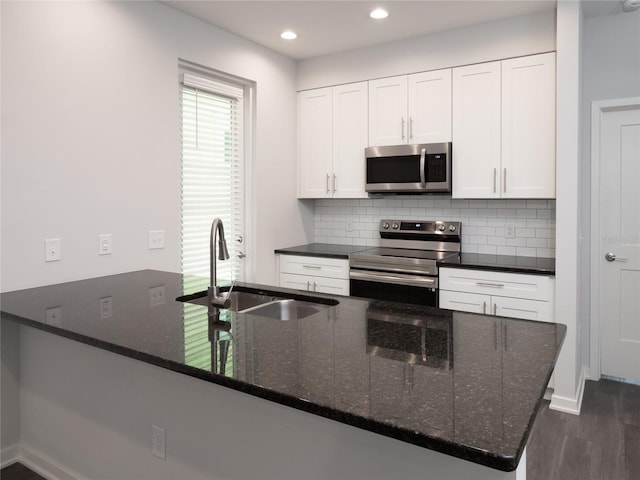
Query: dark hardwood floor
x=17, y=471
x=603, y=443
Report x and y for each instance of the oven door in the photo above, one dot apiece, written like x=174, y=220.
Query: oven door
x=394, y=287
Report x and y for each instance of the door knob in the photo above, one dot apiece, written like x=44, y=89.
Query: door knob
x=610, y=257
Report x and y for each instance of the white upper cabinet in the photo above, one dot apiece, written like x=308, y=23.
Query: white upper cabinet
x=476, y=131
x=388, y=111
x=332, y=136
x=504, y=129
x=430, y=107
x=529, y=127
x=350, y=122
x=410, y=109
x=315, y=148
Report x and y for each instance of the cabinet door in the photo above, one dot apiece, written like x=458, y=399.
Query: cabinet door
x=314, y=143
x=521, y=308
x=350, y=138
x=529, y=127
x=476, y=131
x=465, y=302
x=388, y=111
x=429, y=107
x=297, y=282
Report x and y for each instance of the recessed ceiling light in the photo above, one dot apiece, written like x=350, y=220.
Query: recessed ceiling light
x=289, y=35
x=379, y=13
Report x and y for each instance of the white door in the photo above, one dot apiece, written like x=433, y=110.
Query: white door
x=619, y=241
x=388, y=111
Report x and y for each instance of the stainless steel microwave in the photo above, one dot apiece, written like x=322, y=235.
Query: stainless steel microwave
x=417, y=168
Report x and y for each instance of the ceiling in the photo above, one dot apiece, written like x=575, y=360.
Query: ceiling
x=326, y=27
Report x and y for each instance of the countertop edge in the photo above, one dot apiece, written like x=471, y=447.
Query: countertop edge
x=499, y=268
x=478, y=456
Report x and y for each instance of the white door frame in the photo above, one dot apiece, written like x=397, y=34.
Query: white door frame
x=598, y=108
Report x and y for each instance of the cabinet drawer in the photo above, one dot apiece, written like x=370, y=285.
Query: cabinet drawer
x=316, y=266
x=465, y=302
x=334, y=286
x=517, y=285
x=519, y=308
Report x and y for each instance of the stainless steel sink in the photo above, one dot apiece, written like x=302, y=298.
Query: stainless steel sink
x=287, y=309
x=268, y=304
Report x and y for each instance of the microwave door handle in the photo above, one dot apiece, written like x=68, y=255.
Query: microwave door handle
x=422, y=167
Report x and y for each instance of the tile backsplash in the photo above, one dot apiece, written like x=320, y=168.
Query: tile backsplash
x=484, y=222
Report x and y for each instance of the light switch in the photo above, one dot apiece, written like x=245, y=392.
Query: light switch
x=52, y=250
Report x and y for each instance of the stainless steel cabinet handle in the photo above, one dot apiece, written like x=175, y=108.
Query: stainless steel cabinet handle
x=494, y=180
x=402, y=127
x=328, y=191
x=487, y=284
x=484, y=307
x=505, y=180
x=315, y=286
x=410, y=127
x=308, y=285
x=611, y=257
x=335, y=182
x=314, y=267
x=495, y=308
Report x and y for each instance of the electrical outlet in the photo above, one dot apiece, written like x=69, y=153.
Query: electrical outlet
x=106, y=307
x=510, y=231
x=104, y=247
x=156, y=295
x=158, y=446
x=52, y=250
x=53, y=316
x=156, y=239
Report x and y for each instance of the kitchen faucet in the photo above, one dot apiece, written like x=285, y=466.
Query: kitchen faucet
x=213, y=293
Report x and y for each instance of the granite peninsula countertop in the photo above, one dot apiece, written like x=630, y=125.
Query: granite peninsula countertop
x=463, y=384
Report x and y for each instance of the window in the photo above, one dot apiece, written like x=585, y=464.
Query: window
x=212, y=177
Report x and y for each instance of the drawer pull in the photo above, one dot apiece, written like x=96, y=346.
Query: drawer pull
x=485, y=284
x=314, y=267
x=484, y=307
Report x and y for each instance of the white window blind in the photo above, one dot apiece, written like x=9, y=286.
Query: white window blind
x=212, y=173
x=212, y=186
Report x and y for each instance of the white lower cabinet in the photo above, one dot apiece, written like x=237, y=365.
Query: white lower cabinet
x=314, y=274
x=516, y=295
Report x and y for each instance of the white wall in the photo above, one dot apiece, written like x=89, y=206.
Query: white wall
x=524, y=35
x=91, y=140
x=611, y=70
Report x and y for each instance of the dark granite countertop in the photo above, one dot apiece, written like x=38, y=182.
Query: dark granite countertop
x=501, y=263
x=462, y=384
x=327, y=250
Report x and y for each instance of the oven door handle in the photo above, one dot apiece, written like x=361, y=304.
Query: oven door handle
x=412, y=280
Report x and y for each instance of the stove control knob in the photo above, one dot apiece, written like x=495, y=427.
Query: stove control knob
x=385, y=225
x=452, y=228
x=441, y=228
x=396, y=226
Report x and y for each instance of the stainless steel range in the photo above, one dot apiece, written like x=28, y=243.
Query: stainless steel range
x=404, y=267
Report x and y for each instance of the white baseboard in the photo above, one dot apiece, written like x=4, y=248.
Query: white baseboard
x=9, y=455
x=567, y=404
x=36, y=461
